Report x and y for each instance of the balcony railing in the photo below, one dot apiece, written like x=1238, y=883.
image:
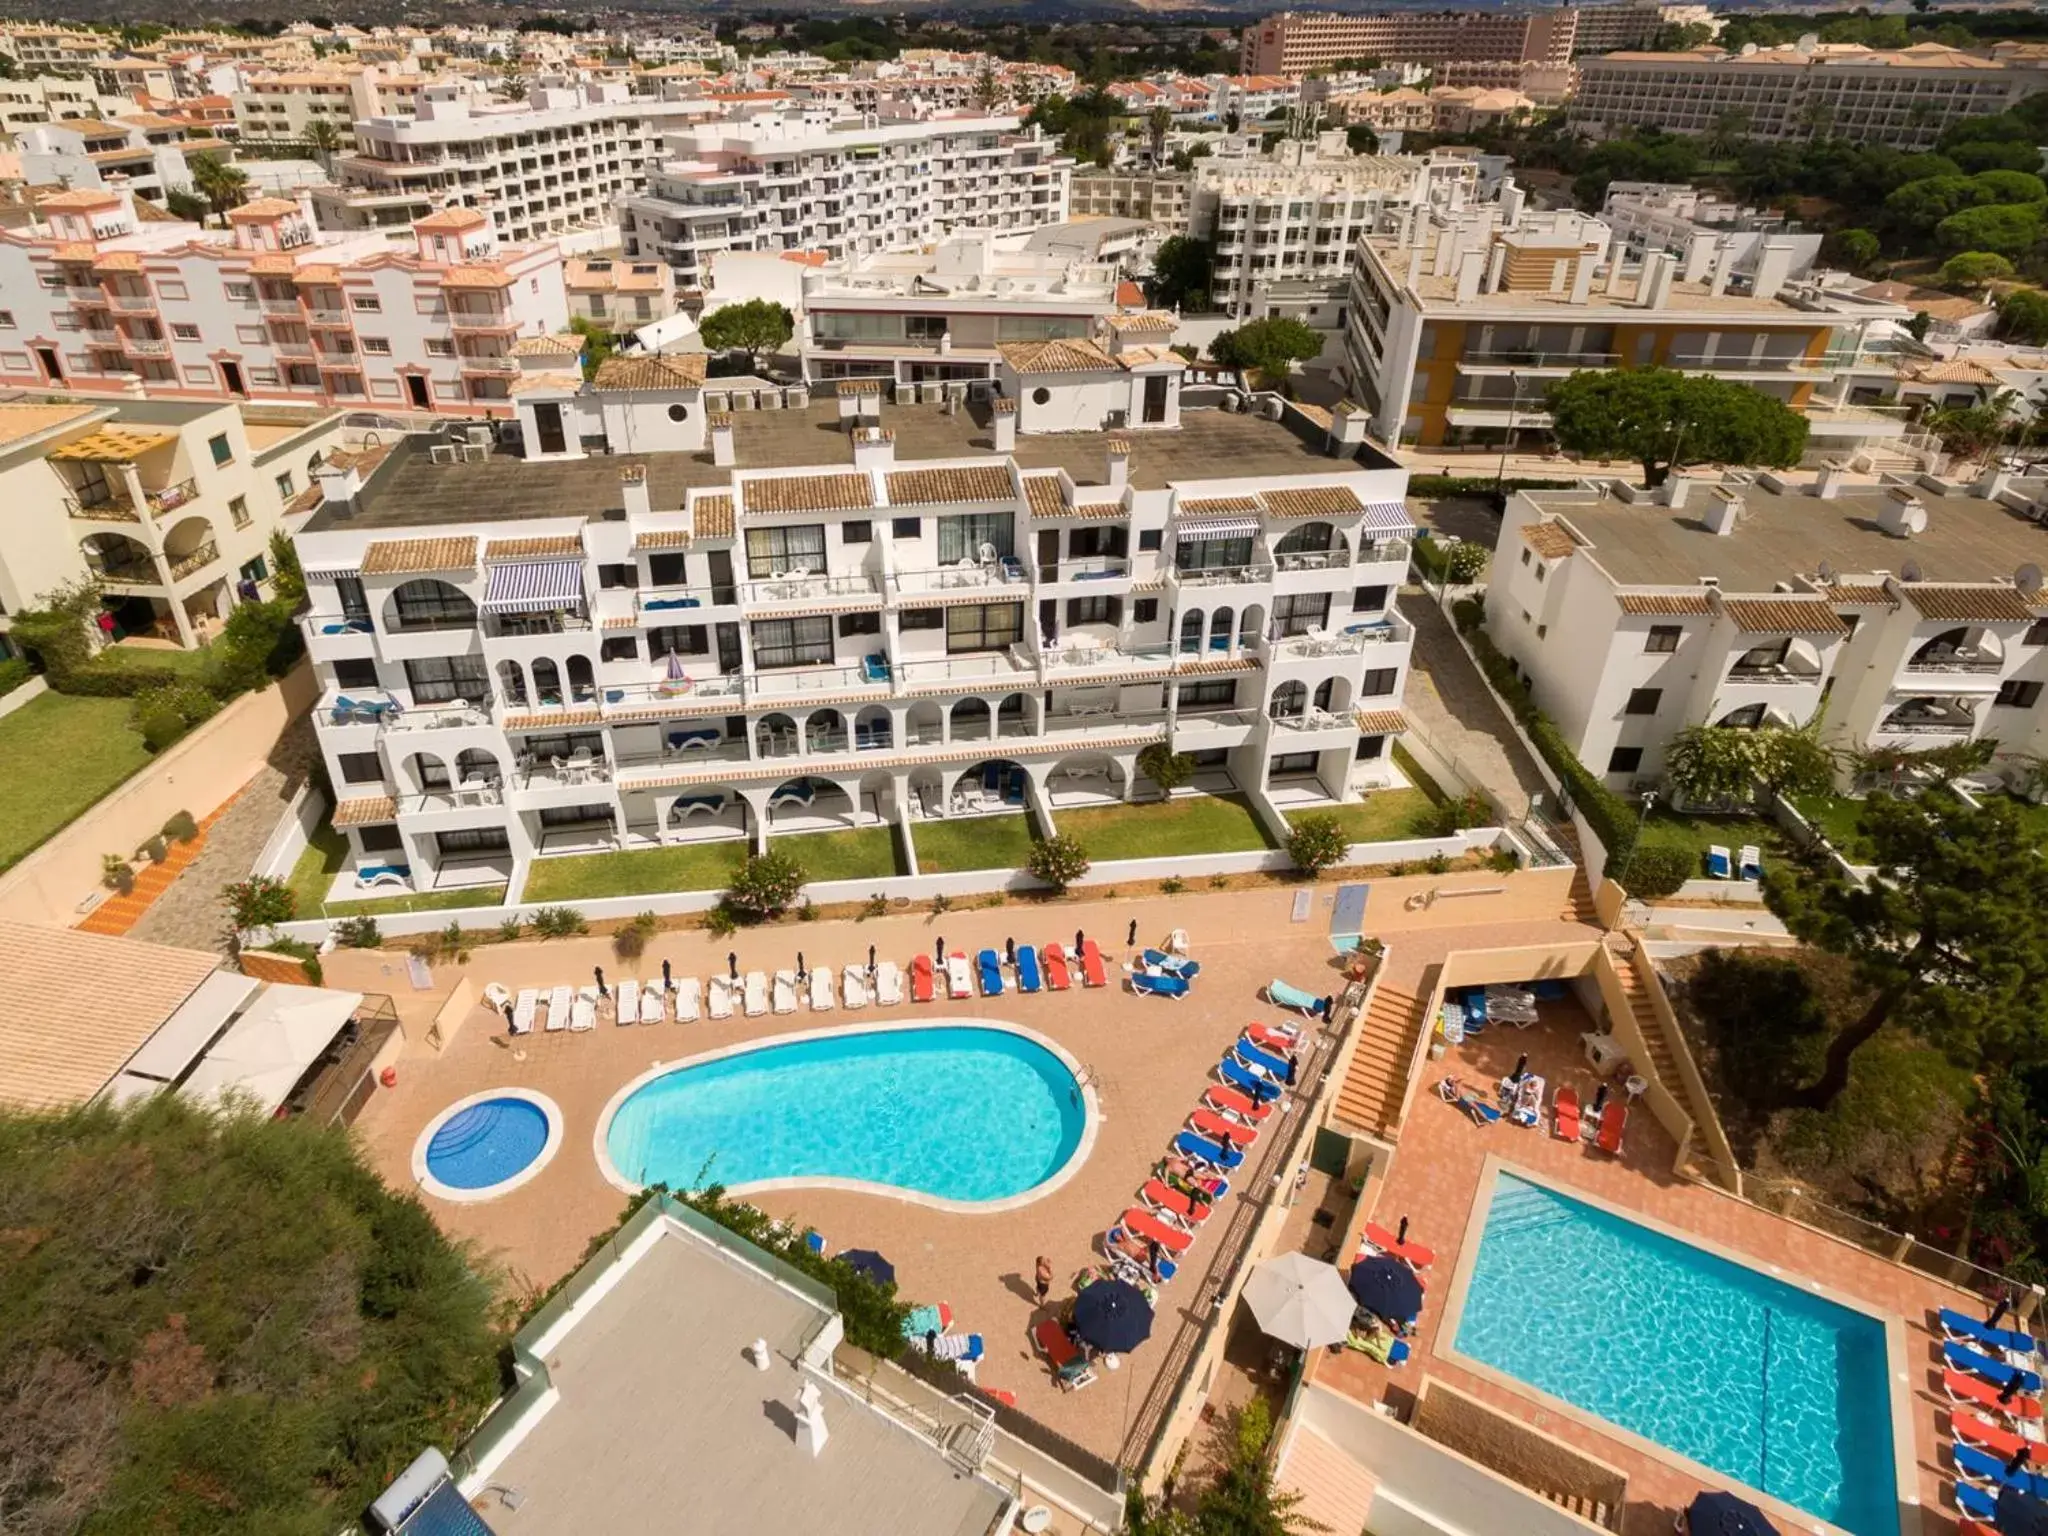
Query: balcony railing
x=1513, y=357
x=1930, y=725
x=146, y=346
x=1348, y=641
x=1316, y=560
x=643, y=695
x=127, y=573
x=1222, y=719
x=100, y=336
x=504, y=365
x=201, y=557
x=482, y=320
x=85, y=298
x=279, y=304
x=1770, y=674
x=132, y=303
x=427, y=717
x=795, y=682
x=1312, y=720
x=1014, y=665
x=805, y=589
x=1954, y=661
x=1224, y=576
x=1007, y=573
x=1088, y=568
x=454, y=798
x=317, y=315
x=109, y=508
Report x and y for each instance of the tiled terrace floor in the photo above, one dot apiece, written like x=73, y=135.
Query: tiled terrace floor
x=1436, y=1174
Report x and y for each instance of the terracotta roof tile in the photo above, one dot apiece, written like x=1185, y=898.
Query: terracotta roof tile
x=1218, y=506
x=451, y=219
x=1775, y=615
x=1550, y=539
x=1381, y=722
x=843, y=492
x=1043, y=494
x=675, y=370
x=1314, y=501
x=1146, y=320
x=1068, y=355
x=711, y=516
x=1666, y=604
x=561, y=345
x=362, y=810
x=1861, y=593
x=533, y=549
x=397, y=557
x=662, y=538
x=1977, y=602
x=926, y=487
x=262, y=208
x=476, y=277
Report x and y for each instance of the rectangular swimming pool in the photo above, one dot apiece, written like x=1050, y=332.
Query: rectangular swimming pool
x=1752, y=1377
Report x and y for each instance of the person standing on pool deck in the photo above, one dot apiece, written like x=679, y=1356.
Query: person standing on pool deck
x=1010, y=952
x=1293, y=1067
x=667, y=985
x=598, y=972
x=1043, y=1278
x=1078, y=937
x=732, y=964
x=801, y=973
x=1131, y=938
x=871, y=960
x=1152, y=1255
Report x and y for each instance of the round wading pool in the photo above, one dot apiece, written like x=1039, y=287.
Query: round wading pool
x=487, y=1144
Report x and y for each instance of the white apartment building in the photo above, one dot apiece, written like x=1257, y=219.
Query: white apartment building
x=52, y=99
x=1462, y=317
x=1666, y=216
x=169, y=505
x=281, y=106
x=268, y=309
x=36, y=48
x=1915, y=613
x=1163, y=199
x=142, y=153
x=927, y=317
x=619, y=295
x=814, y=629
x=804, y=181
x=1903, y=98
x=550, y=166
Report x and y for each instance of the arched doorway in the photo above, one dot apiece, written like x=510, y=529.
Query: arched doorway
x=972, y=721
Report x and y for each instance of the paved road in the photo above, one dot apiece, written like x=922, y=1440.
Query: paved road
x=190, y=914
x=1448, y=702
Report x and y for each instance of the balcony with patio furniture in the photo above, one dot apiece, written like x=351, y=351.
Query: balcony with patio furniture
x=811, y=587
x=1005, y=571
x=1924, y=716
x=1973, y=651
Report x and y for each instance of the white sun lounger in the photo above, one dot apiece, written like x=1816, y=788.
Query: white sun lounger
x=785, y=992
x=888, y=984
x=853, y=984
x=757, y=994
x=629, y=1001
x=650, y=1003
x=719, y=1006
x=524, y=1010
x=821, y=989
x=560, y=1001
x=496, y=996
x=583, y=1016
x=959, y=977
x=689, y=996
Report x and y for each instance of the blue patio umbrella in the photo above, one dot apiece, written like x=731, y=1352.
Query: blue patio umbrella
x=870, y=1263
x=2020, y=1513
x=1112, y=1316
x=1723, y=1514
x=1387, y=1287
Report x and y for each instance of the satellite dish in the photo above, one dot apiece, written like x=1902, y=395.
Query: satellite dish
x=1910, y=571
x=2028, y=578
x=1827, y=572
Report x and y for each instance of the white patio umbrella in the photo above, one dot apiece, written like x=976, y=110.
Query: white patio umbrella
x=1300, y=1301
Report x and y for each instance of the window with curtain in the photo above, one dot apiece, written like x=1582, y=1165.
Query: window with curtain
x=1211, y=554
x=573, y=815
x=437, y=679
x=355, y=604
x=984, y=627
x=678, y=640
x=1216, y=693
x=961, y=537
x=564, y=744
x=1095, y=610
x=1378, y=682
x=432, y=605
x=473, y=840
x=1295, y=612
x=792, y=642
x=784, y=549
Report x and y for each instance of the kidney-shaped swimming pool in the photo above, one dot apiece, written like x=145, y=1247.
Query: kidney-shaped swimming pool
x=955, y=1112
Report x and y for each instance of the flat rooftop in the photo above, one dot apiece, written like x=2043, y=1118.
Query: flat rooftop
x=1780, y=536
x=664, y=1423
x=409, y=490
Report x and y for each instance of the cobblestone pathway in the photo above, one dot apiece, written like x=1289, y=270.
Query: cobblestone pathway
x=1448, y=702
x=190, y=913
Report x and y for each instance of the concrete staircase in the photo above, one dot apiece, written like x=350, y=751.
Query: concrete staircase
x=1663, y=1063
x=1371, y=1094
x=1579, y=907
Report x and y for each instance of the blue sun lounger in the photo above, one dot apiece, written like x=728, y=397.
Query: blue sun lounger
x=1282, y=995
x=1027, y=968
x=1997, y=1372
x=1203, y=1150
x=1159, y=960
x=991, y=967
x=1159, y=986
x=1235, y=1073
x=1720, y=864
x=1976, y=1503
x=1277, y=1065
x=1983, y=1467
x=1965, y=1329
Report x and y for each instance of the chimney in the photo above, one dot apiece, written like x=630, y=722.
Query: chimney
x=1724, y=266
x=1511, y=200
x=1653, y=290
x=1674, y=490
x=1582, y=278
x=1446, y=260
x=1827, y=484
x=1496, y=263
x=1615, y=271
x=1903, y=513
x=849, y=401
x=1773, y=267
x=633, y=491
x=1724, y=510
x=811, y=1433
x=1119, y=464
x=720, y=423
x=1992, y=484
x=1005, y=419
x=1348, y=424
x=1414, y=266
x=338, y=484
x=874, y=448
x=870, y=399
x=1699, y=254
x=1471, y=267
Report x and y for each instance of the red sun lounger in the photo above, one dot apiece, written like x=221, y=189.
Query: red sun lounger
x=1214, y=1126
x=1414, y=1253
x=1069, y=1365
x=1963, y=1388
x=1564, y=1115
x=1272, y=1039
x=1093, y=972
x=1057, y=977
x=1238, y=1104
x=1175, y=1203
x=1613, y=1121
x=2002, y=1443
x=921, y=979
x=1149, y=1228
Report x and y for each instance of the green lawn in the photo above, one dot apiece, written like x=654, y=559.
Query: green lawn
x=1668, y=829
x=866, y=854
x=132, y=658
x=1190, y=824
x=324, y=858
x=1415, y=775
x=58, y=754
x=1384, y=814
x=1834, y=817
x=978, y=842
x=641, y=872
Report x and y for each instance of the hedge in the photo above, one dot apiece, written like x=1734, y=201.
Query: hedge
x=1605, y=811
x=115, y=682
x=1478, y=485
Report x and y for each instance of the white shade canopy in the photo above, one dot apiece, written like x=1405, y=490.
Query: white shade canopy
x=1300, y=1301
x=266, y=1051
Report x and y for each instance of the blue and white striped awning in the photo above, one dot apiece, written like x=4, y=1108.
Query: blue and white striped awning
x=1388, y=517
x=1217, y=528
x=534, y=586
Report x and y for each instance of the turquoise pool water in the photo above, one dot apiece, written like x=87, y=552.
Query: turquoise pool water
x=963, y=1113
x=1766, y=1383
x=487, y=1143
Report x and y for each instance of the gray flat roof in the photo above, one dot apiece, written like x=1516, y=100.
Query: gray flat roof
x=664, y=1424
x=1779, y=536
x=408, y=490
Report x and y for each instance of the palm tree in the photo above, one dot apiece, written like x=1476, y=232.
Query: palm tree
x=1729, y=130
x=223, y=186
x=323, y=139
